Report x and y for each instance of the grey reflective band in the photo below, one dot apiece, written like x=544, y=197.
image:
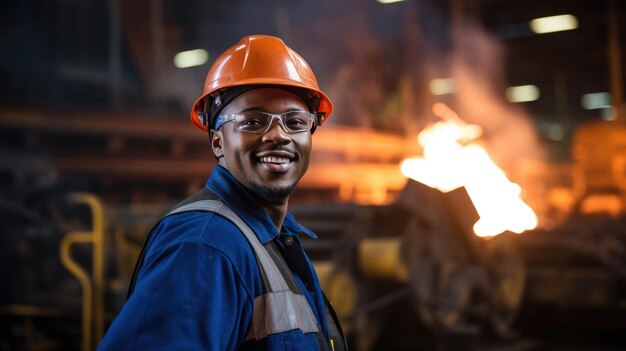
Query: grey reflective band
x=279, y=309
x=275, y=279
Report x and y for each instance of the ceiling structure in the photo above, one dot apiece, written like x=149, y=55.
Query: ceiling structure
x=376, y=60
x=565, y=65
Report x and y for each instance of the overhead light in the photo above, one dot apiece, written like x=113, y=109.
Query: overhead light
x=522, y=93
x=609, y=114
x=552, y=131
x=553, y=24
x=442, y=86
x=596, y=101
x=191, y=58
x=388, y=1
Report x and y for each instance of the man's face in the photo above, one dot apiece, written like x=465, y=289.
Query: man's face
x=269, y=164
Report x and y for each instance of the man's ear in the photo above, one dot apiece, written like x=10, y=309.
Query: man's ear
x=217, y=143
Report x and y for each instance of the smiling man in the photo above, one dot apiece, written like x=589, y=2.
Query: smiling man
x=225, y=269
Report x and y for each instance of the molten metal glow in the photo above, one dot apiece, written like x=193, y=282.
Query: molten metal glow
x=452, y=158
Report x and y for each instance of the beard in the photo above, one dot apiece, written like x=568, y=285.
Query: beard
x=275, y=196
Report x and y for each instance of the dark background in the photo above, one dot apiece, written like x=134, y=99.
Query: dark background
x=90, y=100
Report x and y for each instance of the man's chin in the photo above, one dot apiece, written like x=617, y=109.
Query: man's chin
x=274, y=195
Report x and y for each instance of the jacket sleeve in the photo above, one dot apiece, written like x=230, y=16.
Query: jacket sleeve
x=188, y=297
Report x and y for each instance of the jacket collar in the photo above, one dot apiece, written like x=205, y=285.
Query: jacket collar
x=244, y=203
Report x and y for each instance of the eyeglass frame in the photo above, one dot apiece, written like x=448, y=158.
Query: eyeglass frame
x=314, y=119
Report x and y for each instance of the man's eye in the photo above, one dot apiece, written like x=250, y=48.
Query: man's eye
x=296, y=122
x=252, y=122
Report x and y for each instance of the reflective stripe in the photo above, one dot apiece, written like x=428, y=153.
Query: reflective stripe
x=278, y=310
x=275, y=279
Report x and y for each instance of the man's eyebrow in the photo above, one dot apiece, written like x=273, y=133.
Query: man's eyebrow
x=253, y=108
x=259, y=109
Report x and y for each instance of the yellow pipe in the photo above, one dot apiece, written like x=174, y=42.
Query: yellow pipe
x=339, y=286
x=382, y=258
x=83, y=277
x=324, y=270
x=97, y=214
x=92, y=292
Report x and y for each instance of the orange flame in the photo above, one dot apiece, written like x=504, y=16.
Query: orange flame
x=452, y=158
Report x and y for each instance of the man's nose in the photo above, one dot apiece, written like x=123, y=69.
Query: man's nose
x=276, y=132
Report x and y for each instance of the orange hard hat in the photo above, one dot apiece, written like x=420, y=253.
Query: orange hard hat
x=258, y=60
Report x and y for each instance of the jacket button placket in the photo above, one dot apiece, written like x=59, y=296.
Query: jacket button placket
x=289, y=241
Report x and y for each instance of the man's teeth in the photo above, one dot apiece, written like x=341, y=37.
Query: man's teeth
x=275, y=159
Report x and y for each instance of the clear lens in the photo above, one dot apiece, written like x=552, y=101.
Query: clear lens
x=260, y=122
x=297, y=121
x=255, y=122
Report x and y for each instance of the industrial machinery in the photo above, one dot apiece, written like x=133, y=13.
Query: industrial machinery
x=399, y=274
x=36, y=291
x=73, y=256
x=421, y=255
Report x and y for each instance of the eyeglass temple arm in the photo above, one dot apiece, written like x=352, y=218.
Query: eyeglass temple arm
x=319, y=117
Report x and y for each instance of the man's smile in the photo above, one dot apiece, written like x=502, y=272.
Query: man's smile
x=276, y=161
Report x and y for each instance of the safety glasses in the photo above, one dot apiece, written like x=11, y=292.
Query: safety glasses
x=260, y=122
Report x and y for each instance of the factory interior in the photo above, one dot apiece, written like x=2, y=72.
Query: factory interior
x=468, y=191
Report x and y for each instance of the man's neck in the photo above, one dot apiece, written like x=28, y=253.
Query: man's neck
x=277, y=212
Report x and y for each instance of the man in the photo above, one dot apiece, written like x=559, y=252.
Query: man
x=225, y=270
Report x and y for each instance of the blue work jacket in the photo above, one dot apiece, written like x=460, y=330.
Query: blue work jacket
x=199, y=279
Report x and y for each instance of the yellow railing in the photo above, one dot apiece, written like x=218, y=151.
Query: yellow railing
x=92, y=319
